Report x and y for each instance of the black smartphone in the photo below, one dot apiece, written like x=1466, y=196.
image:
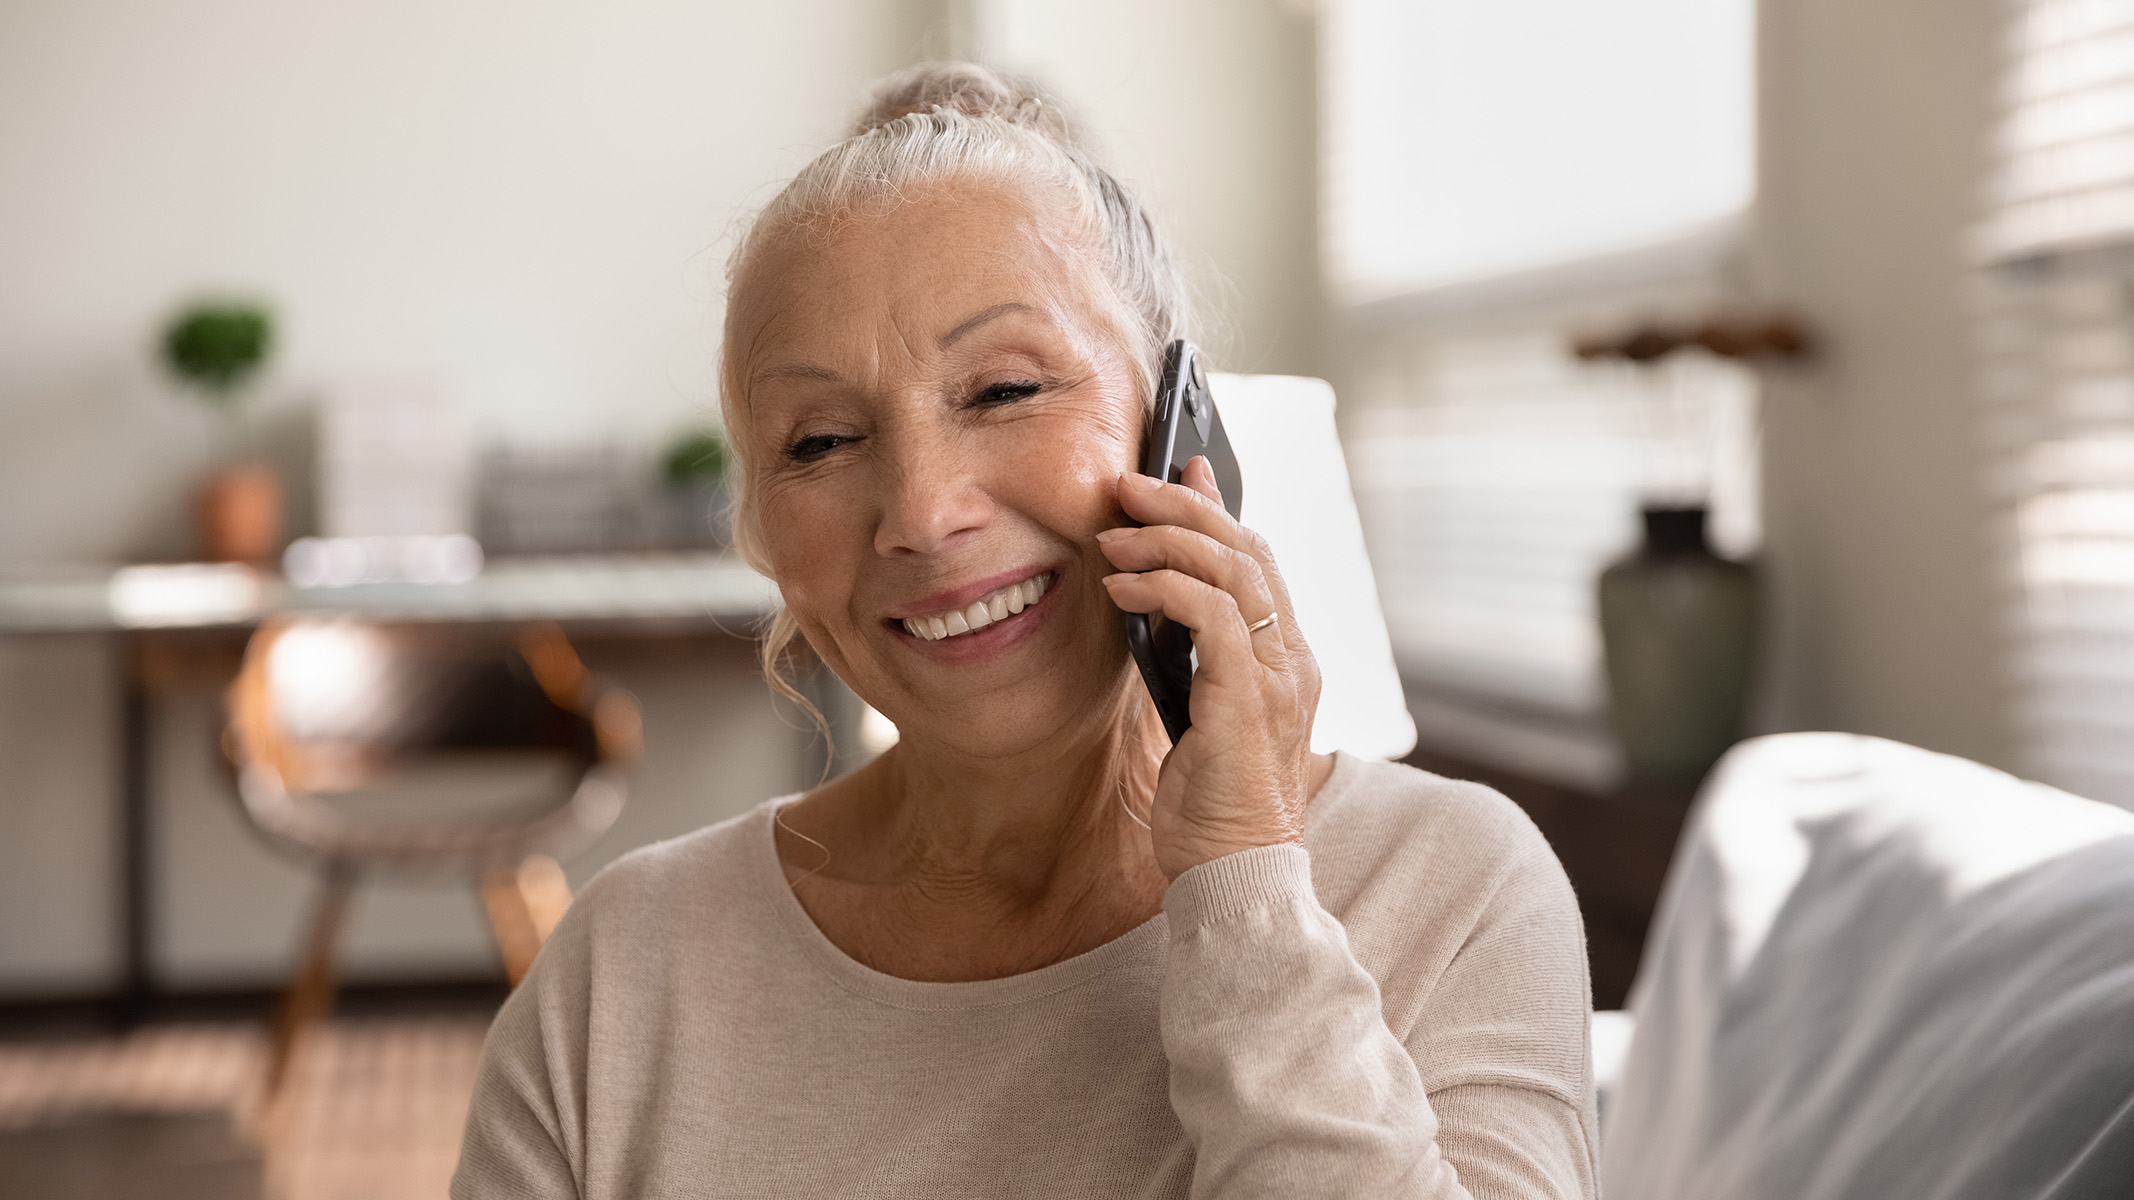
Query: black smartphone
x=1184, y=424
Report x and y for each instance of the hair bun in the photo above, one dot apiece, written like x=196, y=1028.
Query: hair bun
x=965, y=88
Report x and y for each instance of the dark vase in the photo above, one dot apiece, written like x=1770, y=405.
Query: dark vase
x=1678, y=632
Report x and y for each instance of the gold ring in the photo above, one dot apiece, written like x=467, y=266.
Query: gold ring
x=1260, y=624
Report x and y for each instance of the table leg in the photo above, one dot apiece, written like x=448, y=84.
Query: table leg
x=136, y=986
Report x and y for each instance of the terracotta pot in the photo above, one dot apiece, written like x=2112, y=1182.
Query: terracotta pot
x=237, y=515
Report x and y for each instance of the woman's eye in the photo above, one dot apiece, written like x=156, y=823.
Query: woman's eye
x=814, y=446
x=1005, y=393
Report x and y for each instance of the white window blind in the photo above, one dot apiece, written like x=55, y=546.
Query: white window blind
x=2058, y=333
x=1497, y=475
x=2065, y=177
x=1496, y=176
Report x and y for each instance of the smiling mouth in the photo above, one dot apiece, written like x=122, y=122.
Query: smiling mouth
x=986, y=610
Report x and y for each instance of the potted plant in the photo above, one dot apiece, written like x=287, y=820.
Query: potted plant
x=694, y=472
x=216, y=348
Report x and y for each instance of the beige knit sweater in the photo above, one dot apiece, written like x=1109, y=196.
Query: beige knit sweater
x=1397, y=1009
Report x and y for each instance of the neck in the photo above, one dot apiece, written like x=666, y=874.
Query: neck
x=1061, y=816
x=1017, y=832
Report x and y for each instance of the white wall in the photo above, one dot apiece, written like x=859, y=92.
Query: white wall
x=1874, y=127
x=1208, y=109
x=531, y=199
x=528, y=198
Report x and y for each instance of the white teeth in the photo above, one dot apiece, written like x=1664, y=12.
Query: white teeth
x=982, y=612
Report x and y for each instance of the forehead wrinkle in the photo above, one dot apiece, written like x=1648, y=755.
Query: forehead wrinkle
x=808, y=371
x=1046, y=256
x=1084, y=298
x=760, y=329
x=979, y=318
x=1058, y=287
x=758, y=325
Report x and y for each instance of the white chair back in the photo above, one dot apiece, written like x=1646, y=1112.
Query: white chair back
x=1297, y=496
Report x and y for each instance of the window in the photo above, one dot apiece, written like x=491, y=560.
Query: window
x=1467, y=140
x=1497, y=177
x=2057, y=319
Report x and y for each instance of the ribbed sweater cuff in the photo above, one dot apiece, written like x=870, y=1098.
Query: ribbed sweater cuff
x=1235, y=883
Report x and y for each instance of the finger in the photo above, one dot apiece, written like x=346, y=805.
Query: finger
x=1259, y=551
x=1234, y=571
x=1219, y=638
x=1153, y=502
x=1200, y=476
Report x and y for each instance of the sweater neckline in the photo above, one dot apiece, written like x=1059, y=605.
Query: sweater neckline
x=1143, y=943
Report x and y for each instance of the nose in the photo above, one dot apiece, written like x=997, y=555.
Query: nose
x=934, y=498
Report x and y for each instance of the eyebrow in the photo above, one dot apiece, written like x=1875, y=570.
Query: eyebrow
x=800, y=371
x=979, y=318
x=810, y=371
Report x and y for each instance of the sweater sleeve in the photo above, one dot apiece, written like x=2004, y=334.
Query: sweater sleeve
x=1289, y=1081
x=524, y=1119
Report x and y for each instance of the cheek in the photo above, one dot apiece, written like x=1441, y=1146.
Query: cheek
x=1073, y=470
x=808, y=533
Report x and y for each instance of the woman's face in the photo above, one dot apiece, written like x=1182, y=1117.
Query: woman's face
x=937, y=414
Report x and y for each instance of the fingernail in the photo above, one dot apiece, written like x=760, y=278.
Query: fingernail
x=1121, y=576
x=1143, y=483
x=1117, y=535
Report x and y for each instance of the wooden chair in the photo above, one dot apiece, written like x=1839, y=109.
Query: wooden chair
x=382, y=749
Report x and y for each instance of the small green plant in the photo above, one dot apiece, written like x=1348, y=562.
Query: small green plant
x=216, y=346
x=698, y=456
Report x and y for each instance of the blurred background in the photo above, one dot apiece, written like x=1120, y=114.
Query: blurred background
x=1814, y=303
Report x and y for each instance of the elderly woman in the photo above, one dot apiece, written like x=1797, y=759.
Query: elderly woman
x=1033, y=949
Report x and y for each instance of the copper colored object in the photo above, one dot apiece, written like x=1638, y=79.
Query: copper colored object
x=238, y=515
x=526, y=902
x=331, y=716
x=1773, y=336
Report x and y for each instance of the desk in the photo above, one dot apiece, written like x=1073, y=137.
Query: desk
x=180, y=608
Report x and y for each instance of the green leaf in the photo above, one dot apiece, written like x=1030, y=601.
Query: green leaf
x=697, y=455
x=217, y=346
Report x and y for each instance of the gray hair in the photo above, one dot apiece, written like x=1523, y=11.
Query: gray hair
x=940, y=122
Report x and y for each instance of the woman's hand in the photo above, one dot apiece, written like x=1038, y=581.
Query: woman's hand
x=1241, y=776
